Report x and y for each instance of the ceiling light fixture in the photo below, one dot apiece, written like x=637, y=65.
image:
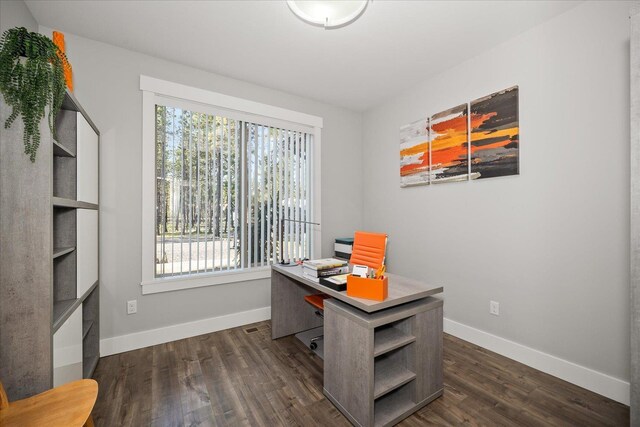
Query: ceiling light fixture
x=328, y=13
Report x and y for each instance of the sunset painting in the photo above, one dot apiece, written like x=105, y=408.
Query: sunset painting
x=495, y=135
x=414, y=154
x=449, y=145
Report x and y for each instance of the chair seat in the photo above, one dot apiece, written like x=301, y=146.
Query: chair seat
x=66, y=406
x=316, y=300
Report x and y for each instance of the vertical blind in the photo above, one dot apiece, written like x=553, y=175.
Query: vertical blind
x=230, y=194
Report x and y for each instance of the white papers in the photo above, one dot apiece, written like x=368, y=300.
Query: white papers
x=360, y=270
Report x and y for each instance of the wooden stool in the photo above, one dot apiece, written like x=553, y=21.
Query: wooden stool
x=69, y=405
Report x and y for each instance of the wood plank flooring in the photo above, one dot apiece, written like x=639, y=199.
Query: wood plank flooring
x=240, y=377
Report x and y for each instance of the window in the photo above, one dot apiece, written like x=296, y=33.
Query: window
x=229, y=194
x=232, y=191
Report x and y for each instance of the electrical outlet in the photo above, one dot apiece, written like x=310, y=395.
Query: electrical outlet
x=132, y=306
x=494, y=308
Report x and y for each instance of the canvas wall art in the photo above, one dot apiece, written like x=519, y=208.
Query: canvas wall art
x=414, y=153
x=495, y=135
x=449, y=145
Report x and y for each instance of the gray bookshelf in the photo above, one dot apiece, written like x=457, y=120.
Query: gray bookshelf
x=49, y=287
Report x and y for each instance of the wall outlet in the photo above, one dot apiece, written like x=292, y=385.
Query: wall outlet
x=494, y=308
x=132, y=306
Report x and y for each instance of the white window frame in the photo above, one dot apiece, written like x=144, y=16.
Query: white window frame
x=156, y=91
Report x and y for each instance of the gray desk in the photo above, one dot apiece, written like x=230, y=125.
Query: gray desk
x=382, y=360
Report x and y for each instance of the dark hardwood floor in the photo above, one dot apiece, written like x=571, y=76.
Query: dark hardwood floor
x=241, y=377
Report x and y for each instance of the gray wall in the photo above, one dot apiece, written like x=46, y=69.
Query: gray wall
x=14, y=13
x=106, y=79
x=551, y=245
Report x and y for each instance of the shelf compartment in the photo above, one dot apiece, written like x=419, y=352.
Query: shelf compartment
x=86, y=327
x=388, y=338
x=67, y=350
x=62, y=309
x=389, y=375
x=58, y=252
x=89, y=366
x=71, y=104
x=61, y=202
x=64, y=177
x=91, y=330
x=87, y=244
x=392, y=407
x=64, y=228
x=60, y=150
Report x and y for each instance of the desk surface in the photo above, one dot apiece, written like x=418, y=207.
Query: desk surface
x=401, y=290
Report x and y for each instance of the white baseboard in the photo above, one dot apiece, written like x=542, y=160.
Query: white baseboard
x=600, y=383
x=122, y=343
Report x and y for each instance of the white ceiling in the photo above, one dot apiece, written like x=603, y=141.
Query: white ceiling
x=393, y=46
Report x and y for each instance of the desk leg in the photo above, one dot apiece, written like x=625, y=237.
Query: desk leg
x=290, y=314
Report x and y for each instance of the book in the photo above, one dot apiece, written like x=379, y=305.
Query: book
x=345, y=240
x=324, y=264
x=343, y=247
x=325, y=273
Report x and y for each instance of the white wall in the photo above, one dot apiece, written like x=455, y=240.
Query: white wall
x=106, y=82
x=551, y=245
x=16, y=14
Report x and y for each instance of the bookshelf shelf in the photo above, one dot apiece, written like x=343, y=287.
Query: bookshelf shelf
x=60, y=150
x=58, y=252
x=61, y=202
x=62, y=310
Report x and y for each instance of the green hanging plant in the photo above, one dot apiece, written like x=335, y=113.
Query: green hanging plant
x=31, y=79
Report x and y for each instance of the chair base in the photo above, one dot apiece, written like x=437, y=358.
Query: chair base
x=306, y=338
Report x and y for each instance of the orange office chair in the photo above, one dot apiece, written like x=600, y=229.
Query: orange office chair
x=316, y=300
x=369, y=249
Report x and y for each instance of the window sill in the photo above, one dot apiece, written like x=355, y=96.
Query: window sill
x=198, y=281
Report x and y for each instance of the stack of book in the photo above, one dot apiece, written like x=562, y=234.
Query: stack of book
x=343, y=247
x=315, y=269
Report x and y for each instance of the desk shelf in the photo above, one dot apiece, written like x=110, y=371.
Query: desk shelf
x=392, y=407
x=388, y=338
x=400, y=373
x=389, y=375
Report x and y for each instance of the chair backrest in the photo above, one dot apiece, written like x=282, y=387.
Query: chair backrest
x=369, y=249
x=4, y=400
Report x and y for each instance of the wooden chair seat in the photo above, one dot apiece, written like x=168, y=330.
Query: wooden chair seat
x=66, y=406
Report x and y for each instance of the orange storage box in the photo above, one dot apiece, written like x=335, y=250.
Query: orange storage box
x=361, y=287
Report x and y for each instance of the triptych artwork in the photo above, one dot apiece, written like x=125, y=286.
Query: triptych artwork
x=471, y=141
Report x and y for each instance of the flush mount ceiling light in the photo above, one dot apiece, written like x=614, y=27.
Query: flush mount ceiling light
x=328, y=13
